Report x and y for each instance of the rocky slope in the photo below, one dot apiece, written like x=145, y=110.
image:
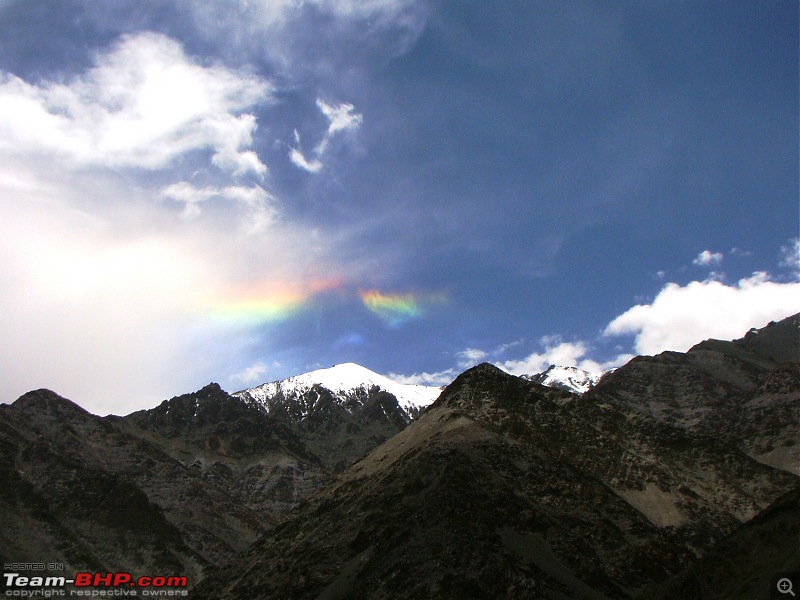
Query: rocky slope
x=744, y=393
x=745, y=564
x=62, y=501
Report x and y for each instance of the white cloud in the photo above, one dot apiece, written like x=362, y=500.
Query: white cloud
x=142, y=105
x=681, y=316
x=439, y=378
x=253, y=374
x=299, y=160
x=556, y=352
x=470, y=357
x=259, y=205
x=341, y=118
x=191, y=197
x=708, y=259
x=104, y=296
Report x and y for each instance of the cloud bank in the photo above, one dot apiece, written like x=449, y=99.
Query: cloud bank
x=678, y=318
x=681, y=316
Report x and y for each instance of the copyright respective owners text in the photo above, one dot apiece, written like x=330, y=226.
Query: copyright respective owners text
x=57, y=580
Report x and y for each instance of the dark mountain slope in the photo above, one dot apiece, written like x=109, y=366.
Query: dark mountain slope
x=60, y=504
x=744, y=564
x=339, y=430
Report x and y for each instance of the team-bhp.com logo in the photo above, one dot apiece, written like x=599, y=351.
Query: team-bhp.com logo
x=93, y=584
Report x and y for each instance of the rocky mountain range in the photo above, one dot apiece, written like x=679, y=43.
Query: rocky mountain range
x=675, y=476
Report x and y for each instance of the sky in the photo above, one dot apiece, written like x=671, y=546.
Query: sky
x=240, y=191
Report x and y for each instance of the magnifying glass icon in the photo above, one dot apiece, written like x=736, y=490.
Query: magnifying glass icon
x=785, y=586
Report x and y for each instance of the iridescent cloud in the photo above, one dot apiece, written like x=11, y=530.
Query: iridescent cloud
x=269, y=301
x=396, y=309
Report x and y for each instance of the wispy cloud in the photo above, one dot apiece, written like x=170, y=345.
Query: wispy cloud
x=299, y=160
x=253, y=374
x=790, y=257
x=190, y=196
x=470, y=356
x=439, y=378
x=259, y=205
x=341, y=118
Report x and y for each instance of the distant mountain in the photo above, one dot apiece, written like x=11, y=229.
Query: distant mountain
x=343, y=412
x=505, y=488
x=570, y=379
x=349, y=384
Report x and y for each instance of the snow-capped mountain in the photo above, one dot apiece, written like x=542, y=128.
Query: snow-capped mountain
x=571, y=379
x=348, y=383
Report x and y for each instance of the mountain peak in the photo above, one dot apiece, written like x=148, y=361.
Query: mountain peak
x=487, y=384
x=48, y=401
x=570, y=379
x=343, y=381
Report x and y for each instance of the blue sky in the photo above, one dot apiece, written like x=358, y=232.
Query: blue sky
x=242, y=191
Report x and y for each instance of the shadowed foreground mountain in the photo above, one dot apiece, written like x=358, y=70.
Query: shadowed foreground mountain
x=663, y=474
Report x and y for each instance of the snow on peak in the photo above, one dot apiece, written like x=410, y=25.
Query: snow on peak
x=342, y=380
x=571, y=379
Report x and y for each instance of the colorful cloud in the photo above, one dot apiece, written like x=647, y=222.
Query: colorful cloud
x=397, y=309
x=269, y=302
